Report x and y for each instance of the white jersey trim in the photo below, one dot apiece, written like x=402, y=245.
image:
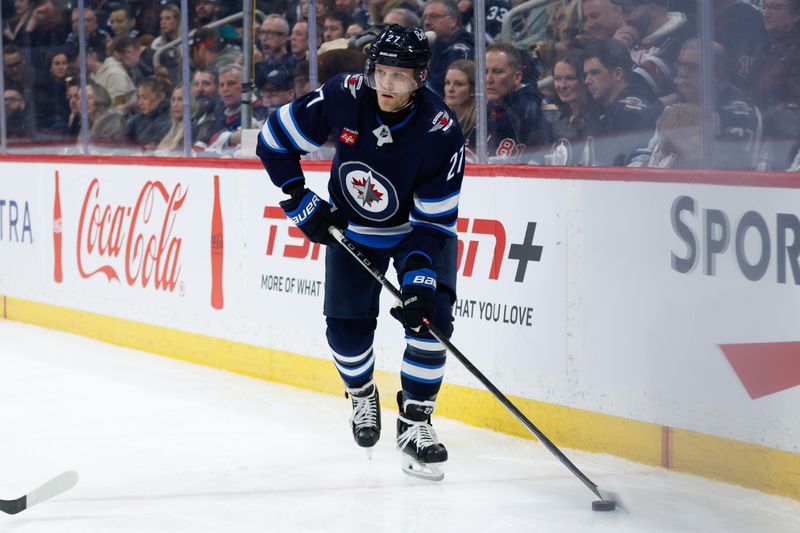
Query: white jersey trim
x=295, y=135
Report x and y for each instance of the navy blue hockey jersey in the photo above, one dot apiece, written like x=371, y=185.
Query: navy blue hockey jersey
x=393, y=183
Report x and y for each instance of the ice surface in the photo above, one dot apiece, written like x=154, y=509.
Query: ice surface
x=166, y=446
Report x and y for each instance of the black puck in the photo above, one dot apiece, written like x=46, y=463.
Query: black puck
x=604, y=505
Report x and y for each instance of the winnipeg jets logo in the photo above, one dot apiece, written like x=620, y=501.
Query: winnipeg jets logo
x=368, y=192
x=353, y=82
x=365, y=190
x=441, y=121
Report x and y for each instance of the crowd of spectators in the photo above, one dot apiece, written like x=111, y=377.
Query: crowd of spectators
x=583, y=82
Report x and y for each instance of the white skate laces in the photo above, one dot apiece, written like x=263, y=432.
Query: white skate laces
x=365, y=409
x=421, y=433
x=365, y=419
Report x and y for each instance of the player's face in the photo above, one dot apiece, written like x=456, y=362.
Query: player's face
x=568, y=87
x=457, y=92
x=598, y=80
x=394, y=86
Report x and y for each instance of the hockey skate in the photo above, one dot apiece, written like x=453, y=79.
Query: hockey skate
x=366, y=417
x=422, y=453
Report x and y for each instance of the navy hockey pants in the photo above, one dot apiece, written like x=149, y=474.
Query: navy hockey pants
x=351, y=311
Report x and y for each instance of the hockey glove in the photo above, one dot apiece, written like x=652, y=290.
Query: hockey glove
x=312, y=215
x=419, y=294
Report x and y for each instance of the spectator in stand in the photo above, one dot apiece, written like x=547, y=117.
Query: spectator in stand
x=739, y=28
x=737, y=121
x=228, y=123
x=496, y=11
x=777, y=79
x=146, y=128
x=73, y=125
x=622, y=115
x=273, y=40
x=52, y=107
x=323, y=8
x=17, y=71
x=46, y=27
x=601, y=19
x=205, y=12
x=122, y=22
x=354, y=29
x=654, y=37
x=334, y=26
x=19, y=75
x=515, y=123
x=96, y=37
x=680, y=144
x=377, y=9
x=452, y=41
x=14, y=27
x=110, y=74
x=209, y=51
x=172, y=142
x=102, y=9
x=19, y=119
x=355, y=12
x=98, y=106
x=566, y=114
x=131, y=55
x=459, y=95
x=106, y=124
x=562, y=33
x=277, y=89
x=205, y=92
x=169, y=29
x=402, y=16
x=298, y=41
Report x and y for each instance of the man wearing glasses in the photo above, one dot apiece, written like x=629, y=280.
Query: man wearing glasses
x=452, y=41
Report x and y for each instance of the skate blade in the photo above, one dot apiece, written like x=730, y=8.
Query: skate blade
x=426, y=471
x=369, y=452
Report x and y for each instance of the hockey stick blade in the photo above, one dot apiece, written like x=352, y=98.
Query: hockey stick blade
x=54, y=487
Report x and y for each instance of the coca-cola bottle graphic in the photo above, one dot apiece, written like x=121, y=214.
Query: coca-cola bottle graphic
x=217, y=247
x=58, y=275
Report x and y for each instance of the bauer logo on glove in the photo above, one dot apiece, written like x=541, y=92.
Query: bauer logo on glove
x=312, y=215
x=308, y=210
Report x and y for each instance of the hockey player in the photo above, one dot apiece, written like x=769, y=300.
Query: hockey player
x=395, y=183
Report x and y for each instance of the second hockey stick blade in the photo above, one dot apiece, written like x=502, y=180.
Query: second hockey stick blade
x=54, y=487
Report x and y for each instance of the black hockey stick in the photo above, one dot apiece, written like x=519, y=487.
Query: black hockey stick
x=608, y=500
x=54, y=487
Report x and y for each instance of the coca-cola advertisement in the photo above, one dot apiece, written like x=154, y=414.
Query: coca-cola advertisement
x=150, y=240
